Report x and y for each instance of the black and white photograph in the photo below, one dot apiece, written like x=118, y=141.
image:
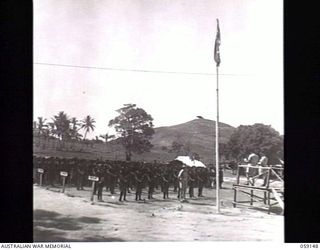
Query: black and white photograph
x=158, y=121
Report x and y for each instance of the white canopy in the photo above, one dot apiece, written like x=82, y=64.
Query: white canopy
x=189, y=162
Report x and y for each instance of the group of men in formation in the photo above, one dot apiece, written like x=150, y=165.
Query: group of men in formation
x=127, y=176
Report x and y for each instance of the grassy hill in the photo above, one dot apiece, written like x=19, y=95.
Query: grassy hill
x=198, y=135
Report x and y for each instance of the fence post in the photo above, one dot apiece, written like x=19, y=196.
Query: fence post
x=40, y=179
x=63, y=183
x=238, y=174
x=92, y=193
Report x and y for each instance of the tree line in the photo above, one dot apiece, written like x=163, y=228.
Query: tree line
x=63, y=128
x=134, y=131
x=133, y=126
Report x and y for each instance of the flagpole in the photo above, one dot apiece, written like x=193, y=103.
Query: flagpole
x=217, y=147
x=217, y=59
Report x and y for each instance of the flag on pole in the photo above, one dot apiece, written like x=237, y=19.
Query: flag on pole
x=217, y=46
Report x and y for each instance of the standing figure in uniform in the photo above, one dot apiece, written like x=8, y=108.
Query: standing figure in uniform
x=175, y=180
x=192, y=182
x=220, y=177
x=212, y=177
x=95, y=172
x=183, y=177
x=138, y=177
x=57, y=168
x=151, y=183
x=157, y=177
x=165, y=179
x=51, y=171
x=72, y=165
x=111, y=178
x=80, y=174
x=123, y=184
x=201, y=180
x=100, y=183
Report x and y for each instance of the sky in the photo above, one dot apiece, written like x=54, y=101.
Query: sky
x=91, y=57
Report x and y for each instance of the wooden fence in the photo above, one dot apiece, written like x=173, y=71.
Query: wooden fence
x=262, y=196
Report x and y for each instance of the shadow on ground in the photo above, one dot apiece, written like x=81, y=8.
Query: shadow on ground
x=46, y=224
x=273, y=210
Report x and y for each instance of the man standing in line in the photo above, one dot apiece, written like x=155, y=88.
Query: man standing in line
x=123, y=184
x=151, y=183
x=100, y=174
x=138, y=177
x=192, y=181
x=110, y=178
x=51, y=171
x=80, y=165
x=165, y=177
x=220, y=177
x=201, y=180
x=183, y=177
x=175, y=180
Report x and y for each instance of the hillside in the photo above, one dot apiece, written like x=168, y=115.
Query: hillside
x=198, y=135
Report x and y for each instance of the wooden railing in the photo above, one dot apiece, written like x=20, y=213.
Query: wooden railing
x=248, y=187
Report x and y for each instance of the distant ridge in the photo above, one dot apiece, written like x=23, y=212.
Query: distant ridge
x=196, y=122
x=198, y=134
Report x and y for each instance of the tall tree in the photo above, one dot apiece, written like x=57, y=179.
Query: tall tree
x=106, y=137
x=52, y=129
x=87, y=125
x=74, y=126
x=223, y=150
x=41, y=125
x=135, y=128
x=62, y=127
x=74, y=129
x=257, y=138
x=52, y=132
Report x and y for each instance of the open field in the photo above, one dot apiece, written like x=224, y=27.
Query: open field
x=71, y=216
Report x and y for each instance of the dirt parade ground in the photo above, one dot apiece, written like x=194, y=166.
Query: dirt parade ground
x=72, y=217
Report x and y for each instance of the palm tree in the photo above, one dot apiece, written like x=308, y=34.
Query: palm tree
x=74, y=127
x=52, y=133
x=106, y=137
x=75, y=135
x=62, y=126
x=73, y=123
x=41, y=125
x=87, y=125
x=42, y=130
